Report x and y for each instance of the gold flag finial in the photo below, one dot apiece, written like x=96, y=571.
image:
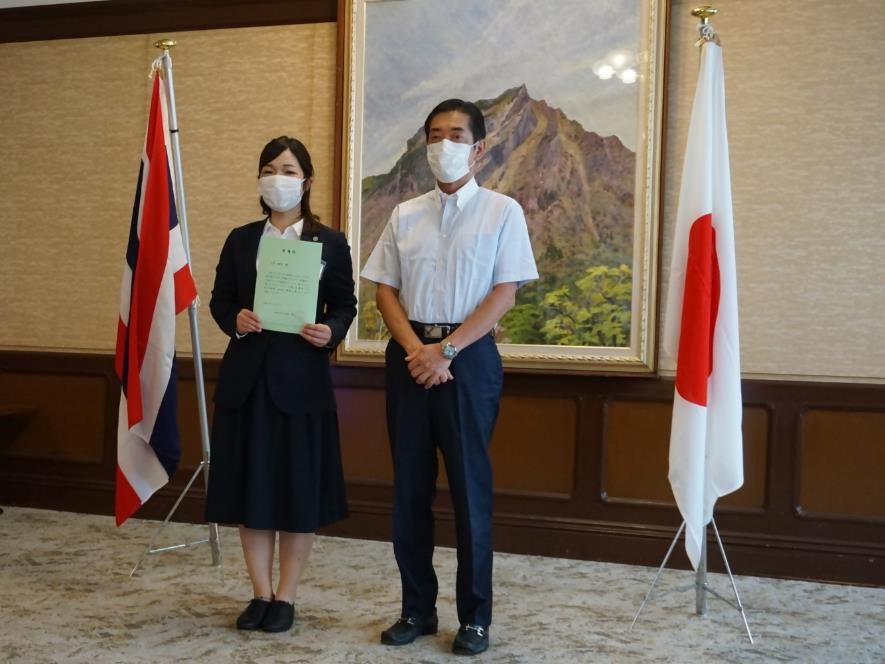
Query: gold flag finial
x=165, y=44
x=157, y=65
x=704, y=12
x=705, y=29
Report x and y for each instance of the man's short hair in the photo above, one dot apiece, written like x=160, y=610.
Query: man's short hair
x=477, y=121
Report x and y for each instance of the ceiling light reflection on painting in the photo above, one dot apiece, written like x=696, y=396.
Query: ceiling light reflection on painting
x=617, y=64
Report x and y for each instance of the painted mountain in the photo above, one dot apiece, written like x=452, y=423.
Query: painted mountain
x=576, y=188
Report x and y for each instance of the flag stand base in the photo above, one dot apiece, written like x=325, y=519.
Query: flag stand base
x=213, y=540
x=701, y=585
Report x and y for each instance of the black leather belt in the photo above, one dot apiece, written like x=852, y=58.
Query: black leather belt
x=434, y=330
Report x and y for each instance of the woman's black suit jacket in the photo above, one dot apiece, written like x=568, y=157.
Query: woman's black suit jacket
x=297, y=373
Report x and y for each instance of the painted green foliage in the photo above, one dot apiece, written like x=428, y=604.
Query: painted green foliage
x=592, y=311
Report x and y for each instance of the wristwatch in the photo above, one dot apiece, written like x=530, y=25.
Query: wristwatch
x=449, y=351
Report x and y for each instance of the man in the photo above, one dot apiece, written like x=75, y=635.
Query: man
x=447, y=268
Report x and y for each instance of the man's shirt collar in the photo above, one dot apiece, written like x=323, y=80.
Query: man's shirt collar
x=462, y=196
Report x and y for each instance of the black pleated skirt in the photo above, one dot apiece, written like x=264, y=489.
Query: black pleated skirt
x=272, y=470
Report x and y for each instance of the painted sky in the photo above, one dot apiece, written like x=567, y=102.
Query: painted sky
x=424, y=51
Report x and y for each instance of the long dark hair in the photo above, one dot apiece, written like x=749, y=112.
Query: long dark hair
x=274, y=149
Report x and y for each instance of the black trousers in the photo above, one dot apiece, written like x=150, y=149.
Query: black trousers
x=457, y=418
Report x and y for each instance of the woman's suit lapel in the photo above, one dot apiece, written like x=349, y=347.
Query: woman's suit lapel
x=314, y=236
x=250, y=255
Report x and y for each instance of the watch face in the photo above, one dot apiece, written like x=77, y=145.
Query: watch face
x=449, y=351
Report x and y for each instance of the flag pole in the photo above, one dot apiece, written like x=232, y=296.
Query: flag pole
x=213, y=540
x=707, y=34
x=700, y=580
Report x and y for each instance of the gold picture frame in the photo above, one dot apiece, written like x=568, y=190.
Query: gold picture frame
x=540, y=72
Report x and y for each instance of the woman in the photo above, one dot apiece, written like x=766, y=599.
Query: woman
x=276, y=460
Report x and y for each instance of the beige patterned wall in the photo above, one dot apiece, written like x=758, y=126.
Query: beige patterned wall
x=805, y=91
x=805, y=96
x=74, y=115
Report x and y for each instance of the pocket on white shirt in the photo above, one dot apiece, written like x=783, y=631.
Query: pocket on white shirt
x=482, y=249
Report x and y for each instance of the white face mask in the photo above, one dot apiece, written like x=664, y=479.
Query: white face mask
x=280, y=192
x=449, y=161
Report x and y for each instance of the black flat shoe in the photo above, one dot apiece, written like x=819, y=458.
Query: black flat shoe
x=471, y=640
x=254, y=614
x=280, y=617
x=408, y=628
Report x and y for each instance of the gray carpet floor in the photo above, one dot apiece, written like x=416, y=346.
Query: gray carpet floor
x=66, y=596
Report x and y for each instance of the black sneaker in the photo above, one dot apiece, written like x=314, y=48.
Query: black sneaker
x=471, y=640
x=408, y=628
x=254, y=614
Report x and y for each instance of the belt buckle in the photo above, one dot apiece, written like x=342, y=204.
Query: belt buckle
x=434, y=331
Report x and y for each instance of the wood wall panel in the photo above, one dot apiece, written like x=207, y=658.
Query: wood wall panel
x=842, y=464
x=636, y=455
x=364, y=447
x=533, y=448
x=67, y=422
x=634, y=452
x=553, y=433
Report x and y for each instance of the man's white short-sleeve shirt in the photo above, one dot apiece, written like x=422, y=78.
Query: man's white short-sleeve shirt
x=445, y=253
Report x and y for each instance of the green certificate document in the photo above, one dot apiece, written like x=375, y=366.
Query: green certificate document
x=288, y=283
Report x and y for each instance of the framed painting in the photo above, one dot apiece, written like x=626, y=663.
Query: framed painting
x=572, y=96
